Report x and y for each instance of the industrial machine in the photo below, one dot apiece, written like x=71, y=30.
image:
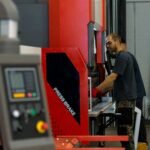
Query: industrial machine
x=65, y=64
x=77, y=40
x=96, y=53
x=65, y=75
x=24, y=122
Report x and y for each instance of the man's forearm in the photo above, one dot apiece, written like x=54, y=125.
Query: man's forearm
x=107, y=84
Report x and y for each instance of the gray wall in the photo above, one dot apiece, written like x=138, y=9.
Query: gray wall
x=138, y=36
x=141, y=1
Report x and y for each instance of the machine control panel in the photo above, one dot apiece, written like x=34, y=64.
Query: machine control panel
x=25, y=103
x=22, y=84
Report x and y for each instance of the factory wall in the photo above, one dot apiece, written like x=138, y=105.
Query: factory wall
x=138, y=39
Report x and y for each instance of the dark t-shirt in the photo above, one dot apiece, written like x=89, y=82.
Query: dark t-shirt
x=139, y=82
x=125, y=84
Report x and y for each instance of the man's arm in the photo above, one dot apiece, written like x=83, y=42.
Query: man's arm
x=107, y=84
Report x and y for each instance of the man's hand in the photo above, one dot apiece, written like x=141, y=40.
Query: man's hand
x=96, y=92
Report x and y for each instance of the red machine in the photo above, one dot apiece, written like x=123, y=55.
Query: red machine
x=68, y=24
x=65, y=69
x=65, y=75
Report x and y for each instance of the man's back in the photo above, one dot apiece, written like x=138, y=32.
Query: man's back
x=125, y=84
x=139, y=82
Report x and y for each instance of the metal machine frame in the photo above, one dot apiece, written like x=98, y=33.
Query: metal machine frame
x=40, y=143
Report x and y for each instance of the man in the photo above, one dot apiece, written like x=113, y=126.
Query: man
x=122, y=80
x=139, y=103
x=142, y=140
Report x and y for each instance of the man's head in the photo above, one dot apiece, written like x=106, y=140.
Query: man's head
x=113, y=42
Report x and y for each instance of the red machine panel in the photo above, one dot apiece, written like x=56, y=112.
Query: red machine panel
x=68, y=21
x=65, y=75
x=68, y=24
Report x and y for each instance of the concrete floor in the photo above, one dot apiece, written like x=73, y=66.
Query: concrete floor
x=112, y=131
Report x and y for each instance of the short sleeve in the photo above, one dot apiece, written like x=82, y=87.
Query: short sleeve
x=120, y=64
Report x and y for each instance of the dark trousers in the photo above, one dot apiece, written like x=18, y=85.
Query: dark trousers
x=142, y=131
x=125, y=121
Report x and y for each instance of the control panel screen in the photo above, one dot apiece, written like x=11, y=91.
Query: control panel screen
x=22, y=84
x=16, y=79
